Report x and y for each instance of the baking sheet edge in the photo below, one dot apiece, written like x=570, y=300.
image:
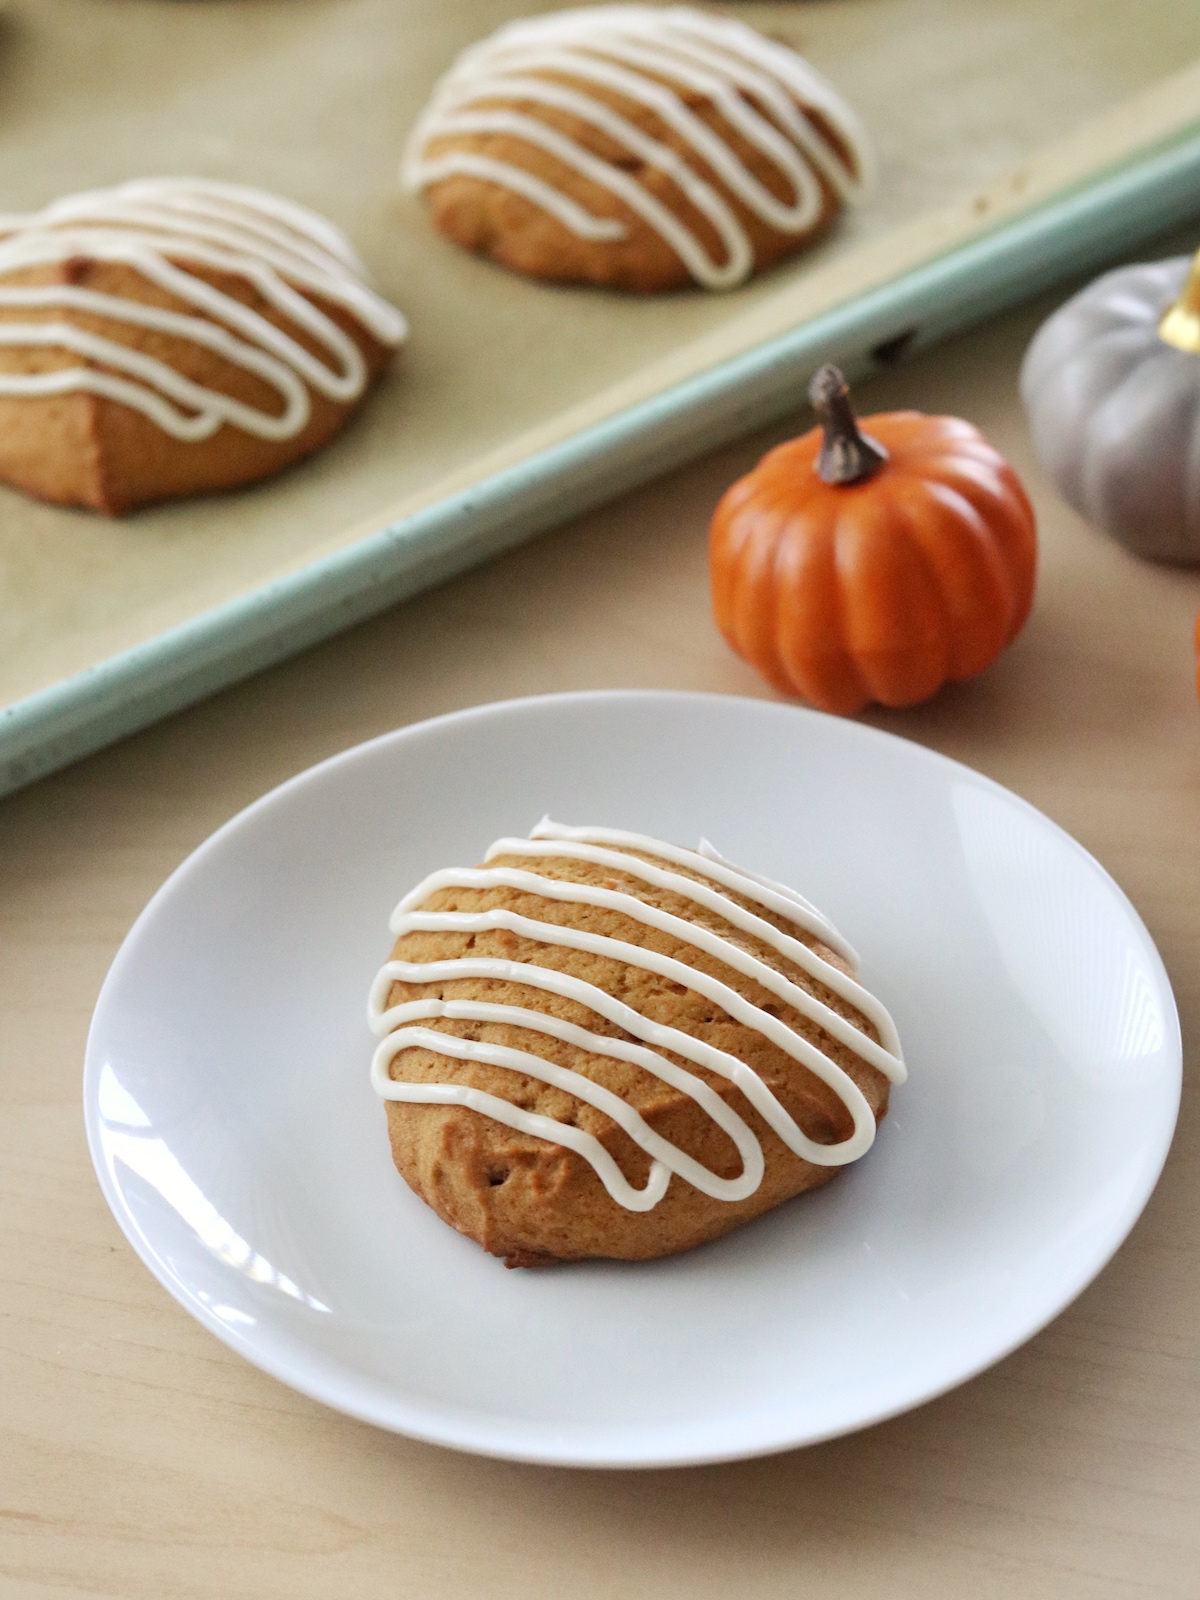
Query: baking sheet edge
x=1075, y=232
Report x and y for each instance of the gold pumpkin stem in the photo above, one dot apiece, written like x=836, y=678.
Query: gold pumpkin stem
x=847, y=454
x=1181, y=325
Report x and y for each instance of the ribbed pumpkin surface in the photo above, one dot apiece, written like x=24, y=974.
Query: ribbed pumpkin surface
x=881, y=590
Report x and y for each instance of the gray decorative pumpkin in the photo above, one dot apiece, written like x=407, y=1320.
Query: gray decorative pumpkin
x=1111, y=385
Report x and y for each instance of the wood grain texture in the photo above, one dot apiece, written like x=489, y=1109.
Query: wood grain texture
x=140, y=1459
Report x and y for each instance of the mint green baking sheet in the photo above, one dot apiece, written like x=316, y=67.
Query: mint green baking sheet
x=1019, y=143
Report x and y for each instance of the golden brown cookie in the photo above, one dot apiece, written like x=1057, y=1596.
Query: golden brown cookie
x=173, y=336
x=639, y=147
x=597, y=1044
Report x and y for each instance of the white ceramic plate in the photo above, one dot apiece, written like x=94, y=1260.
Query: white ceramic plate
x=243, y=1152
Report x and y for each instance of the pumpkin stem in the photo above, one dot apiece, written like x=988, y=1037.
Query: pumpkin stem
x=847, y=455
x=1181, y=325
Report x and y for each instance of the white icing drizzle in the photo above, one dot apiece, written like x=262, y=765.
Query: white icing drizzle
x=776, y=897
x=630, y=50
x=399, y=1025
x=163, y=228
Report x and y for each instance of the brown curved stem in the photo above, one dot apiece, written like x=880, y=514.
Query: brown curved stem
x=1181, y=325
x=847, y=454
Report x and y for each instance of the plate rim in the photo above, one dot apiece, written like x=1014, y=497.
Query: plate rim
x=456, y=1434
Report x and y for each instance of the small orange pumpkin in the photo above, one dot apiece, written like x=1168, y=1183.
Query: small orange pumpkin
x=850, y=567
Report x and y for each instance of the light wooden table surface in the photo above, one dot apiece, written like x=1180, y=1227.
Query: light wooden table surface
x=140, y=1458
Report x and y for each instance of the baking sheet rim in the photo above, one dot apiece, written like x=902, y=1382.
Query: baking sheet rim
x=1149, y=190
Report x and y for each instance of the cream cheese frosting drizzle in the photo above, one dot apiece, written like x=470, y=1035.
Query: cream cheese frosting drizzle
x=165, y=229
x=401, y=1025
x=653, y=57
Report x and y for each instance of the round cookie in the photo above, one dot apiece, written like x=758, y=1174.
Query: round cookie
x=597, y=1044
x=634, y=146
x=173, y=336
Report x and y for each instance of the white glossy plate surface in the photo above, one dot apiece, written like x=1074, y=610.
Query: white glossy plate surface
x=243, y=1152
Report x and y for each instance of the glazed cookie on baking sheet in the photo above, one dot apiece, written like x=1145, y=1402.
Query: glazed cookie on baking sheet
x=637, y=147
x=172, y=336
x=597, y=1044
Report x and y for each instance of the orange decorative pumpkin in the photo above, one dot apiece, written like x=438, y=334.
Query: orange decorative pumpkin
x=850, y=567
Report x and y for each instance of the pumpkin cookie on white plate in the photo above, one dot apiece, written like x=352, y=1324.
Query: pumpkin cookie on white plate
x=598, y=1044
x=176, y=335
x=639, y=147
